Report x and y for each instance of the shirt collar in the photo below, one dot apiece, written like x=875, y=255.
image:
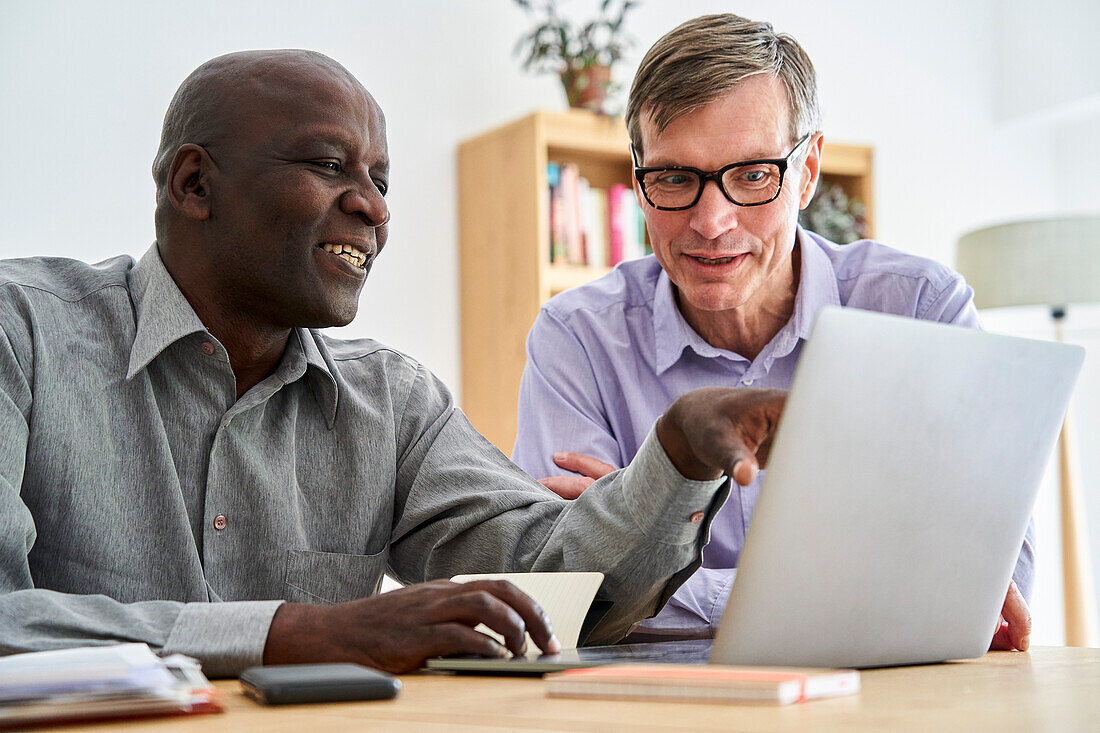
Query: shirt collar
x=164, y=317
x=323, y=383
x=672, y=334
x=816, y=288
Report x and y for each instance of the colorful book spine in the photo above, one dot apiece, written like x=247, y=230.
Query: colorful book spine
x=596, y=229
x=592, y=226
x=574, y=246
x=616, y=204
x=557, y=213
x=583, y=204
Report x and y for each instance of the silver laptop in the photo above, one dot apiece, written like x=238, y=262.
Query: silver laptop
x=895, y=503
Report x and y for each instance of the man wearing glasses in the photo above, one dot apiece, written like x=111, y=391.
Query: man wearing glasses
x=724, y=126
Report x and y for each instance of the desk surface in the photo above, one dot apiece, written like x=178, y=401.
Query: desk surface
x=1054, y=689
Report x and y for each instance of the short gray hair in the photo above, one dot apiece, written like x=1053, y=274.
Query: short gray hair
x=698, y=61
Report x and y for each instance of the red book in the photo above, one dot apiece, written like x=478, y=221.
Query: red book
x=616, y=231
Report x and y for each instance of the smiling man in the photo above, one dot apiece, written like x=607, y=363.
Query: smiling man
x=186, y=462
x=726, y=139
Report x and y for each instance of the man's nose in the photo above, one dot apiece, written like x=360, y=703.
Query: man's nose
x=713, y=215
x=366, y=201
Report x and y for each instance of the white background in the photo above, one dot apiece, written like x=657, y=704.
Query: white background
x=979, y=112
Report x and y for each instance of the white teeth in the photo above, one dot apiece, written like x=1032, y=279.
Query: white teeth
x=715, y=260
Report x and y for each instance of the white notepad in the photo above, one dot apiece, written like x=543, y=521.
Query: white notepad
x=565, y=597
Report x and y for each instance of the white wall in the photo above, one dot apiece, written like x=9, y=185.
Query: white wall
x=83, y=88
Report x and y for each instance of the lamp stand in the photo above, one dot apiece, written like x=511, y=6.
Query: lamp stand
x=1079, y=593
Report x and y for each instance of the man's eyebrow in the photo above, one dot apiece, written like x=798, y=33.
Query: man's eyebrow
x=758, y=154
x=321, y=142
x=762, y=155
x=318, y=139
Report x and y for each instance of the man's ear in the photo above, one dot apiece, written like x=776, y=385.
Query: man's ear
x=189, y=182
x=638, y=192
x=811, y=169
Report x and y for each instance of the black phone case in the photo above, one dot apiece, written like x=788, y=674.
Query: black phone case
x=300, y=683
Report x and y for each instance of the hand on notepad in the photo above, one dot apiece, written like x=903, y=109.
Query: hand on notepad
x=397, y=631
x=1014, y=624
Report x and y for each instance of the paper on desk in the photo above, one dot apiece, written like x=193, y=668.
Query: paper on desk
x=564, y=596
x=109, y=681
x=112, y=667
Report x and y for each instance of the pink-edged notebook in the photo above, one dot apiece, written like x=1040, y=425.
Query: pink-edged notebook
x=702, y=683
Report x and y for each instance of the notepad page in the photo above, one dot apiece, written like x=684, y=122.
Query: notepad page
x=565, y=597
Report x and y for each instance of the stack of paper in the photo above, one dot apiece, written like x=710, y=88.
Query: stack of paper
x=123, y=680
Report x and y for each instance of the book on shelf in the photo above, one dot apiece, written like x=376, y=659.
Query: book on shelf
x=557, y=214
x=595, y=229
x=615, y=218
x=590, y=226
x=714, y=683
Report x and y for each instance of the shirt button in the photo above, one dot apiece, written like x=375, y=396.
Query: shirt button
x=207, y=348
x=219, y=522
x=748, y=382
x=696, y=517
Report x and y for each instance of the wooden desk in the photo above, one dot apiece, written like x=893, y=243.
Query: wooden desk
x=1051, y=689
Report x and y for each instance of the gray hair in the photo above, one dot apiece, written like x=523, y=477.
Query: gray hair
x=698, y=61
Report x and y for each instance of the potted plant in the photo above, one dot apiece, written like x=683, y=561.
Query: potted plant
x=581, y=56
x=834, y=215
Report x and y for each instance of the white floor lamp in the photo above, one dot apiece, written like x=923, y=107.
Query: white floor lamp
x=1051, y=262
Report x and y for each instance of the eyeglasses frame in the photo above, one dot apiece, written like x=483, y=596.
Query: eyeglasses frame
x=716, y=176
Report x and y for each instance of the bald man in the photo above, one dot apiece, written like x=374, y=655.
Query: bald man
x=187, y=463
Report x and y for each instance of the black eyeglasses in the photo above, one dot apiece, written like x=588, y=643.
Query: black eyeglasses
x=748, y=183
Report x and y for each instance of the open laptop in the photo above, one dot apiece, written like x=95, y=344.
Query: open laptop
x=895, y=503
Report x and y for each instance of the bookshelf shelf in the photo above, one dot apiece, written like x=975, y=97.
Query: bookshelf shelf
x=504, y=241
x=563, y=277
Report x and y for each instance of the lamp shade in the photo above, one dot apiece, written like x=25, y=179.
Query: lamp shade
x=1052, y=262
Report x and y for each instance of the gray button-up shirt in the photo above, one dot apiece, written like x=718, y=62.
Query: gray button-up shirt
x=140, y=500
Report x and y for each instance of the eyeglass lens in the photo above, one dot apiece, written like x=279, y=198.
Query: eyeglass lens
x=745, y=184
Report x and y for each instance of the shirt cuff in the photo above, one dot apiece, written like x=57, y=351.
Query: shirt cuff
x=226, y=638
x=667, y=507
x=697, y=606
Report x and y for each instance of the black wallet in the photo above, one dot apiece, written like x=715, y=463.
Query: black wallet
x=284, y=684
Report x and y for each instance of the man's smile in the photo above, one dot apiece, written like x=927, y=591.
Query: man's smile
x=717, y=261
x=348, y=252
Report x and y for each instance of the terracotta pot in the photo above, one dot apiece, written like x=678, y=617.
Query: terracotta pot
x=587, y=88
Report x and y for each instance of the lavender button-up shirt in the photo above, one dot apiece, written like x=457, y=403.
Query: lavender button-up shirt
x=605, y=360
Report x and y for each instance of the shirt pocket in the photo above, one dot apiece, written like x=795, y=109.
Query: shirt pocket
x=332, y=577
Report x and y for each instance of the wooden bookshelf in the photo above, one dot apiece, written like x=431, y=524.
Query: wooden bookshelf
x=504, y=241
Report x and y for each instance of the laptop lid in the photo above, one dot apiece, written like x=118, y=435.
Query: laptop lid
x=897, y=494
